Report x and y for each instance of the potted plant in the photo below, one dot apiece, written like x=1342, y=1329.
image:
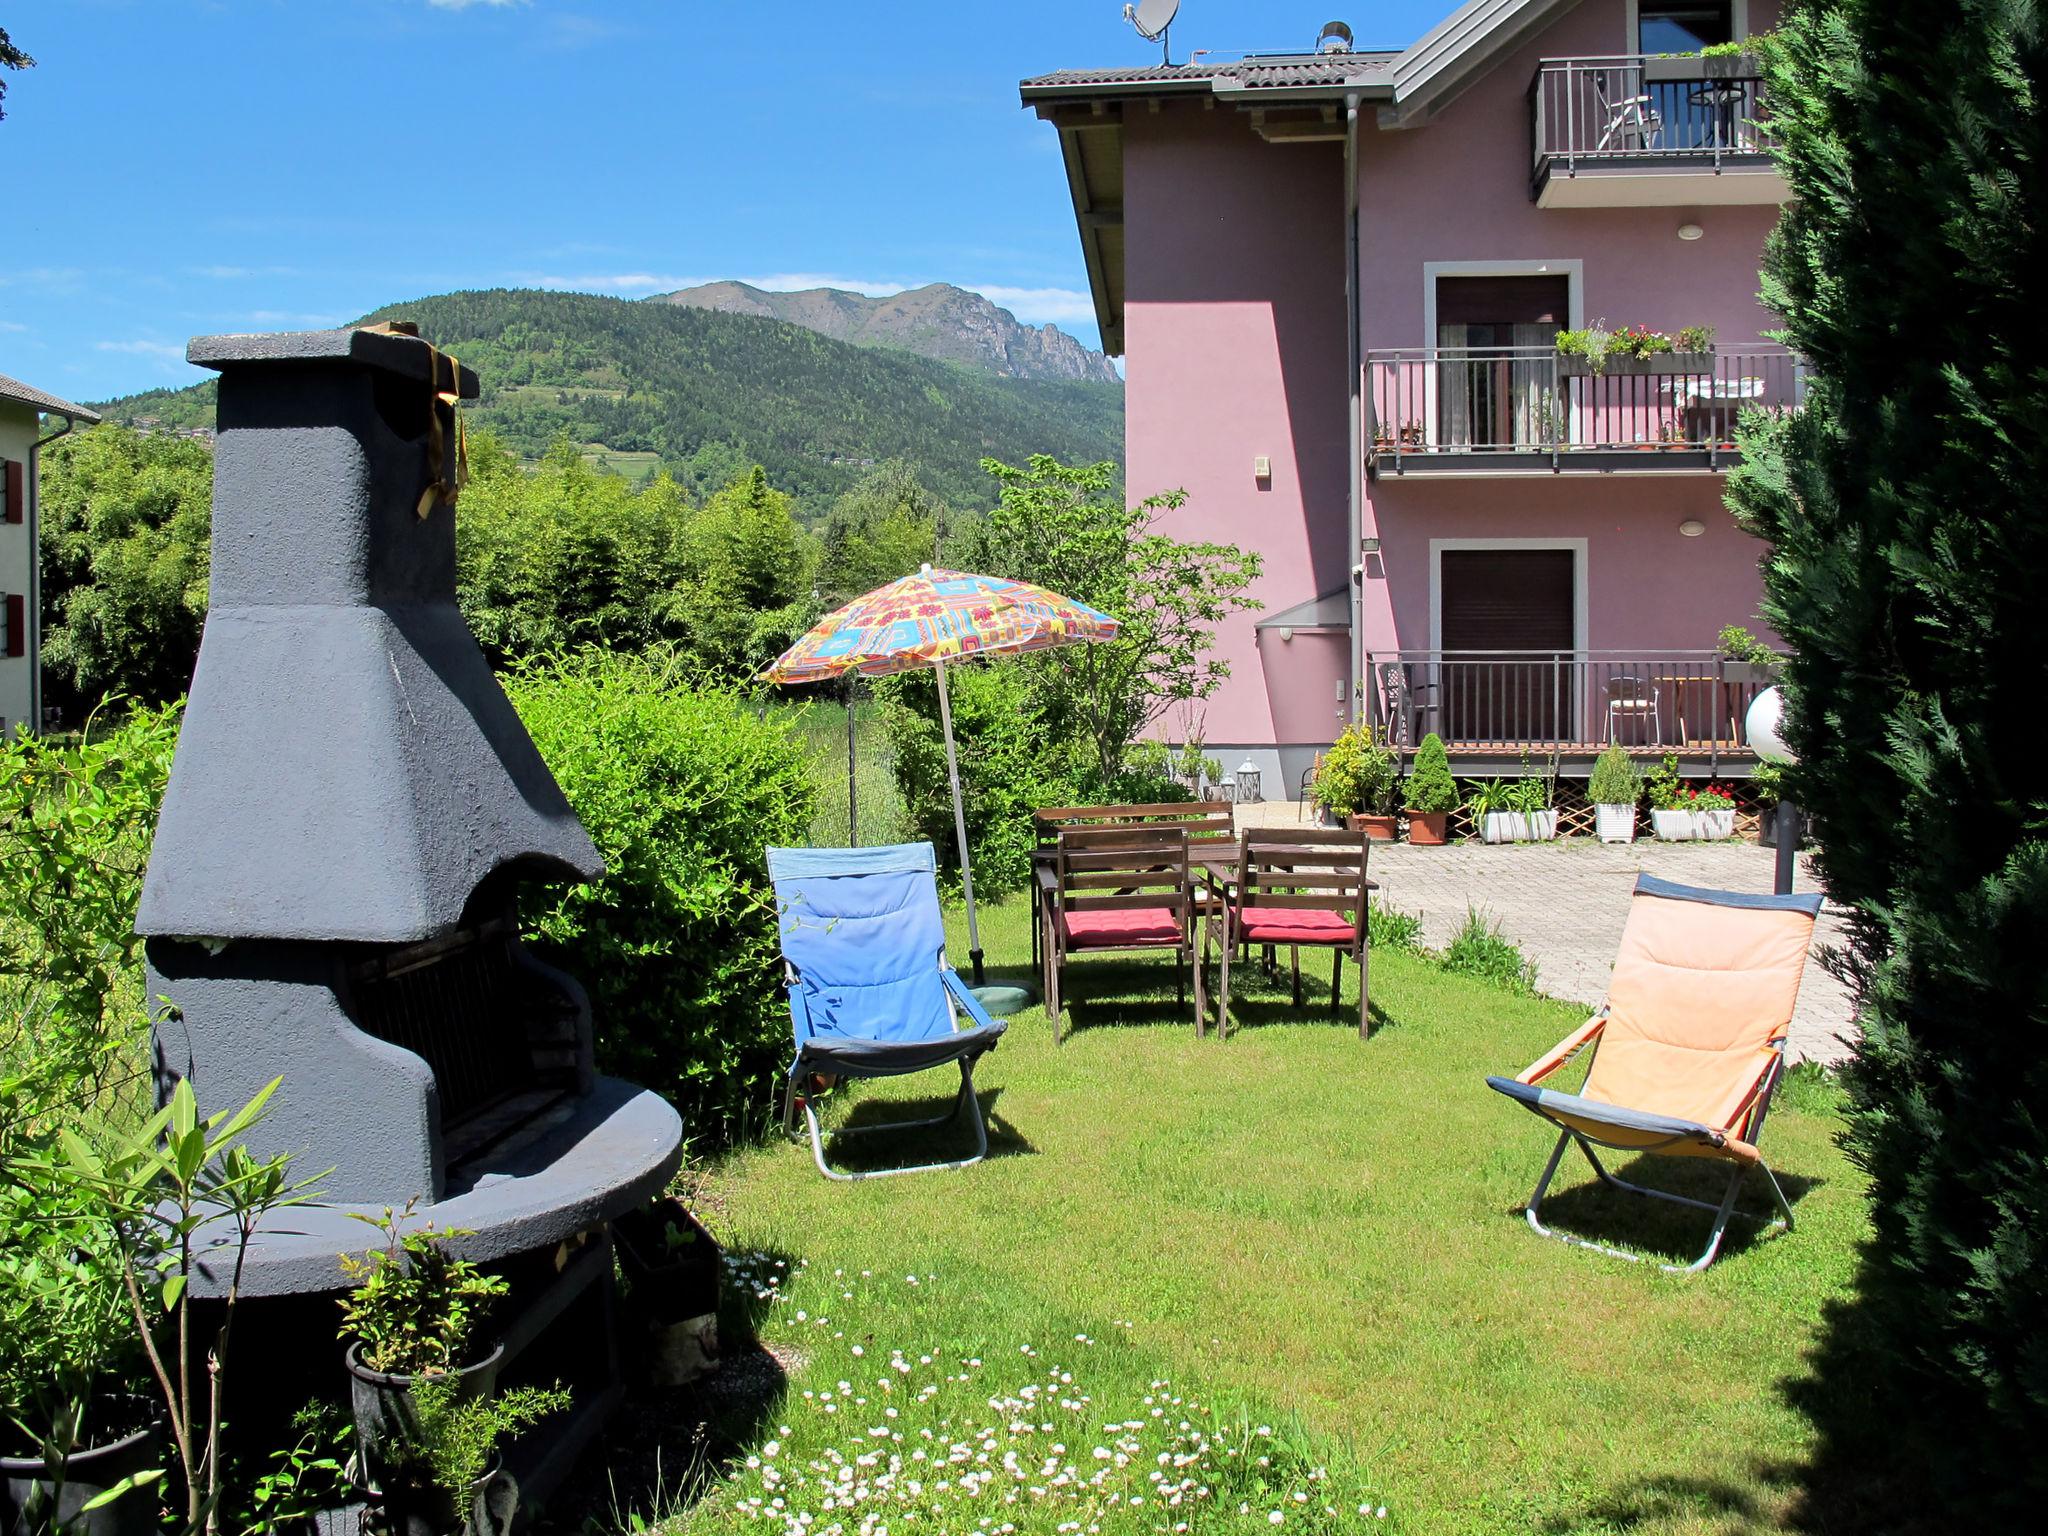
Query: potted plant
x=1432, y=793
x=1713, y=812
x=145, y=1192
x=1633, y=349
x=449, y=1473
x=669, y=1264
x=1615, y=789
x=1745, y=658
x=1357, y=780
x=1670, y=803
x=1514, y=812
x=1411, y=434
x=416, y=1358
x=71, y=1426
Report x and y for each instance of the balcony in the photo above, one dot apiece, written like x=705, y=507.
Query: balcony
x=1497, y=411
x=1493, y=709
x=1649, y=131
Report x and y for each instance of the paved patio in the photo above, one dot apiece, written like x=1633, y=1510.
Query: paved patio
x=1564, y=904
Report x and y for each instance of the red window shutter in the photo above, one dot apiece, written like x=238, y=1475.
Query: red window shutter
x=17, y=625
x=17, y=491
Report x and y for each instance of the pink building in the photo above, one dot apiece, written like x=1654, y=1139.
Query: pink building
x=1338, y=276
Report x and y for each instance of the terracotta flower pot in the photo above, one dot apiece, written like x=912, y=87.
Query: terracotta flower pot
x=1381, y=829
x=1429, y=829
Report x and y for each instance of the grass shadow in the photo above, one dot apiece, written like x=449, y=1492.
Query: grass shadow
x=857, y=1153
x=1658, y=1229
x=1119, y=993
x=1668, y=1503
x=669, y=1447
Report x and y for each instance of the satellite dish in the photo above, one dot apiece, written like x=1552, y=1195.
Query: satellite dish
x=1153, y=18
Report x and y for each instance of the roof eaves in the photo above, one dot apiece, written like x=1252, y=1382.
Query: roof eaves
x=1457, y=49
x=43, y=401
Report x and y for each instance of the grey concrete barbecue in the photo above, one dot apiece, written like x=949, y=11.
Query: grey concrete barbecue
x=352, y=812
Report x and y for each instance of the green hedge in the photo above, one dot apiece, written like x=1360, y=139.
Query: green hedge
x=682, y=788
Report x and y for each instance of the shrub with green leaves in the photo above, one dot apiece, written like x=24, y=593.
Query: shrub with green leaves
x=1666, y=789
x=1616, y=779
x=1431, y=789
x=1902, y=505
x=1480, y=950
x=683, y=789
x=76, y=821
x=1358, y=775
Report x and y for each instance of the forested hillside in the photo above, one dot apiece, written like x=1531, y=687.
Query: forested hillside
x=709, y=395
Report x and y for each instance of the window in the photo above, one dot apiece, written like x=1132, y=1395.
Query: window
x=1683, y=26
x=1496, y=336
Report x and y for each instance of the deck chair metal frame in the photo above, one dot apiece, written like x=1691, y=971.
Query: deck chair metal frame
x=815, y=897
x=1589, y=1122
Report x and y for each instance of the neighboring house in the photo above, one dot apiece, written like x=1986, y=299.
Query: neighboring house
x=1336, y=278
x=21, y=411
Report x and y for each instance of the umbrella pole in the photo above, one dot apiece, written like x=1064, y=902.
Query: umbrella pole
x=852, y=764
x=959, y=825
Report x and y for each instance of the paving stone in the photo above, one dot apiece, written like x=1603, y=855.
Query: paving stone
x=1564, y=905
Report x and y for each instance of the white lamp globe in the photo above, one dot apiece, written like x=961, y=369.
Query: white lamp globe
x=1765, y=725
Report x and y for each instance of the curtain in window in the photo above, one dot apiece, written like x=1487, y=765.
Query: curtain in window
x=1530, y=385
x=1461, y=401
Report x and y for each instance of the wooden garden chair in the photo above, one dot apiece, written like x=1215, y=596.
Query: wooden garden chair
x=1209, y=824
x=1119, y=889
x=1298, y=888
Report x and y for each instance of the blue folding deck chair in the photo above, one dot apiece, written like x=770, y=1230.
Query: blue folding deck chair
x=870, y=992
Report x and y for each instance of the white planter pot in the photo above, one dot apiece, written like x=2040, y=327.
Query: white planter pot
x=1518, y=826
x=1714, y=825
x=1615, y=823
x=1674, y=826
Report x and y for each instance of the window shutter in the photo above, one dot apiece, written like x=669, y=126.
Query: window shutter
x=17, y=490
x=17, y=625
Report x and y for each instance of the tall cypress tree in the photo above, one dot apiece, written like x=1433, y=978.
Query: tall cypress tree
x=1907, y=509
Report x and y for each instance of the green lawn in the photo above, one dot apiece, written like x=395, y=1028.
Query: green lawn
x=1294, y=1231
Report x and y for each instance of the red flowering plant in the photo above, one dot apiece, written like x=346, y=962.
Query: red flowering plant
x=1710, y=797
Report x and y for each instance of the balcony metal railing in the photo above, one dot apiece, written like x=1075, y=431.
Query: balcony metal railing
x=1648, y=108
x=1504, y=704
x=1426, y=402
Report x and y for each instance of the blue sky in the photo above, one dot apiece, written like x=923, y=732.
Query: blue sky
x=186, y=166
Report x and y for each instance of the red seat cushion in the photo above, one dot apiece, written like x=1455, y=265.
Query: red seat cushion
x=1109, y=927
x=1294, y=925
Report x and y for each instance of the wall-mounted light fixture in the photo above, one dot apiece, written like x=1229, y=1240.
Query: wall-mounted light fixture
x=1690, y=231
x=1370, y=546
x=1262, y=467
x=1286, y=632
x=1692, y=527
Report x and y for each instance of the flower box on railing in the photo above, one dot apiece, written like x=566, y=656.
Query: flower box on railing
x=1571, y=365
x=1691, y=66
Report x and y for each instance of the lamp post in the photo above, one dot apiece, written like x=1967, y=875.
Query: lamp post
x=1764, y=726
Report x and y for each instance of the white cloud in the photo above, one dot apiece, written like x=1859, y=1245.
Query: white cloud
x=1036, y=306
x=289, y=317
x=12, y=325
x=228, y=272
x=140, y=348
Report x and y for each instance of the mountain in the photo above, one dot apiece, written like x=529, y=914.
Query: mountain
x=938, y=320
x=708, y=394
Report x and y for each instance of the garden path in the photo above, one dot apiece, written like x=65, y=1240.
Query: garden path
x=1564, y=904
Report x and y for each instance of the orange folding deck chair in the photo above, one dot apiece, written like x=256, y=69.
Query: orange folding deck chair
x=1689, y=1048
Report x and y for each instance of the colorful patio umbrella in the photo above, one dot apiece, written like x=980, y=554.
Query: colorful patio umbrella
x=928, y=620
